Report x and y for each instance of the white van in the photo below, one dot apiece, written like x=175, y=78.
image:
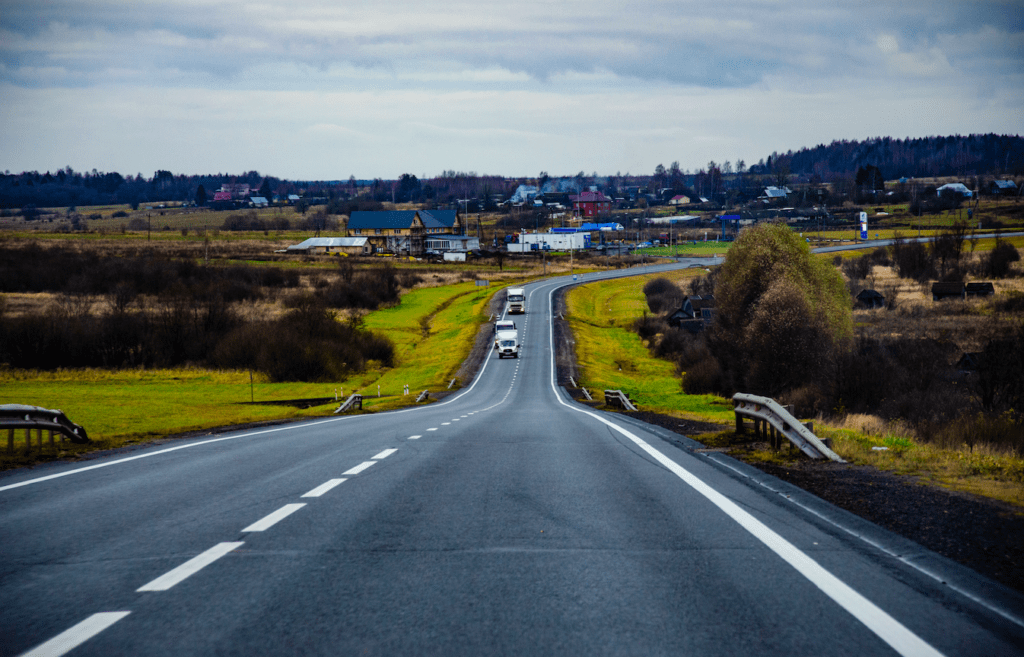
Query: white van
x=507, y=344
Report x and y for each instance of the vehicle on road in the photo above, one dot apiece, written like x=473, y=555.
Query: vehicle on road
x=516, y=301
x=507, y=344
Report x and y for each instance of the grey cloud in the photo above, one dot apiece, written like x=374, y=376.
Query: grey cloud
x=720, y=45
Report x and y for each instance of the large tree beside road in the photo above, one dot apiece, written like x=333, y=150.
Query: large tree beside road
x=781, y=313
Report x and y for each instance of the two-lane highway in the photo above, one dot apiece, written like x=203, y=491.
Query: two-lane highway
x=506, y=519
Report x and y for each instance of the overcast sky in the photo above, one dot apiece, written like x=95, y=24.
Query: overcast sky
x=324, y=90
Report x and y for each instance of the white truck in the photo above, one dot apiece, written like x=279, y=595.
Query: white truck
x=516, y=297
x=506, y=339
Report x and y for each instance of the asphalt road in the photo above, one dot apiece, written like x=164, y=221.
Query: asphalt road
x=504, y=520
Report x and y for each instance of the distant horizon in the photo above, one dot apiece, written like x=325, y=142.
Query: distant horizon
x=593, y=174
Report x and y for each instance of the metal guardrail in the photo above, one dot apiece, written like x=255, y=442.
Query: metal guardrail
x=38, y=419
x=586, y=394
x=772, y=421
x=619, y=399
x=423, y=396
x=354, y=401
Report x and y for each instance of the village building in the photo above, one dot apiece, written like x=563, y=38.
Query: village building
x=870, y=299
x=403, y=232
x=590, y=204
x=346, y=245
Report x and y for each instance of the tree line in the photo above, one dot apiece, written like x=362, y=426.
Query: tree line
x=840, y=161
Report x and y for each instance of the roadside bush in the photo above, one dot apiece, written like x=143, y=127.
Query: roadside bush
x=912, y=260
x=662, y=295
x=32, y=268
x=994, y=433
x=857, y=269
x=251, y=221
x=781, y=315
x=649, y=326
x=307, y=344
x=705, y=377
x=880, y=256
x=997, y=264
x=367, y=288
x=408, y=278
x=704, y=285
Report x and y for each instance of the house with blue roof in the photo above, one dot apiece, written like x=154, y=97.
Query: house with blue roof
x=403, y=231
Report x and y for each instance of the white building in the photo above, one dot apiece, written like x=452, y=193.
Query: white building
x=550, y=242
x=956, y=188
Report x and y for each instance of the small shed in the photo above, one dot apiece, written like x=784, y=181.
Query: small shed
x=348, y=245
x=979, y=289
x=1002, y=188
x=942, y=291
x=871, y=299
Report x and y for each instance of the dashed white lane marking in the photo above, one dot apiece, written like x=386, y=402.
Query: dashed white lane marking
x=444, y=424
x=383, y=455
x=269, y=521
x=432, y=429
x=415, y=437
x=455, y=419
x=323, y=488
x=464, y=416
x=359, y=468
x=190, y=567
x=75, y=636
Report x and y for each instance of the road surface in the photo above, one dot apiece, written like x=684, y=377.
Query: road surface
x=504, y=520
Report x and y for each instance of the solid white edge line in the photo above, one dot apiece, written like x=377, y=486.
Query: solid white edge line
x=190, y=567
x=875, y=619
x=75, y=636
x=268, y=521
x=323, y=488
x=359, y=468
x=383, y=455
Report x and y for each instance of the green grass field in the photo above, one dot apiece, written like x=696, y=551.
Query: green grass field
x=433, y=331
x=612, y=356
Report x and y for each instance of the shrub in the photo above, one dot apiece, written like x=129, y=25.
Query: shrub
x=996, y=433
x=119, y=214
x=997, y=264
x=662, y=295
x=704, y=377
x=781, y=314
x=857, y=269
x=307, y=344
x=912, y=260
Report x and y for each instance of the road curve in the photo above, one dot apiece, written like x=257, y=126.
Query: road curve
x=504, y=520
